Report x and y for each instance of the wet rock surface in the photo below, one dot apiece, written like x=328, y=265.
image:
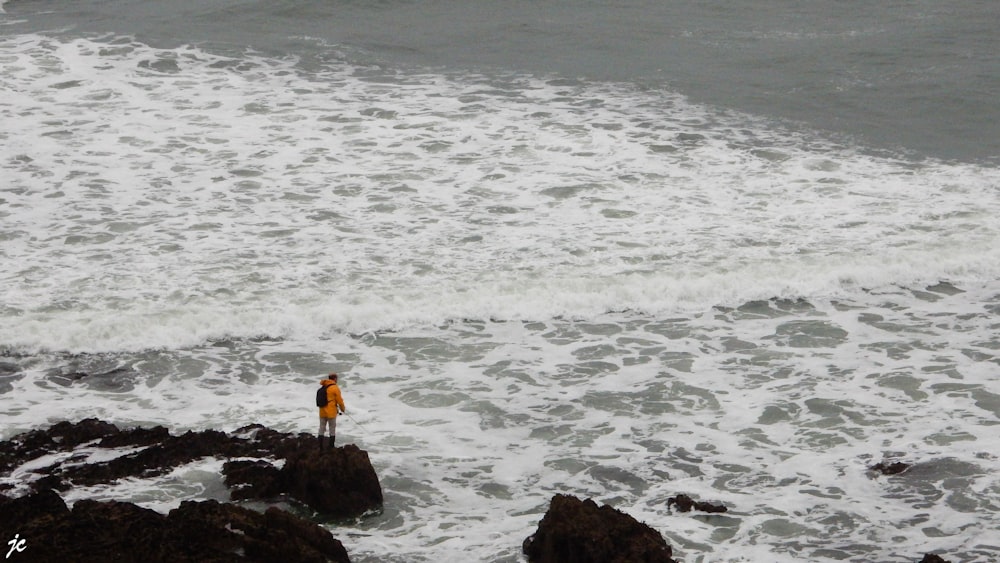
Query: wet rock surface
x=580, y=531
x=264, y=464
x=206, y=531
x=337, y=483
x=340, y=482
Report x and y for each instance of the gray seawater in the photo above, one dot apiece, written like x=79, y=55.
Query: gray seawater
x=738, y=250
x=917, y=76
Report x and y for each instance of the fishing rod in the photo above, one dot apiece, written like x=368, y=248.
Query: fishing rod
x=356, y=422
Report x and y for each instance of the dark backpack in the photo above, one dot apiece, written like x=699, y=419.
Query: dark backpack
x=321, y=399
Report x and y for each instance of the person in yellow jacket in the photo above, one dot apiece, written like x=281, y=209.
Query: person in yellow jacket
x=334, y=406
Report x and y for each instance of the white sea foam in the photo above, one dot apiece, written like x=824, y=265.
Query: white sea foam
x=201, y=196
x=198, y=480
x=20, y=478
x=532, y=285
x=472, y=427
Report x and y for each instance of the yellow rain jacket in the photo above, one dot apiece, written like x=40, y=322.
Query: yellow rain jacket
x=334, y=402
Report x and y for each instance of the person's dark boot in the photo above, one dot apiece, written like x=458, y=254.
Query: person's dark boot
x=320, y=440
x=333, y=439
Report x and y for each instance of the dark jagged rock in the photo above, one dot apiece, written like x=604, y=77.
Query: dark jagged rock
x=50, y=483
x=59, y=437
x=684, y=503
x=887, y=468
x=274, y=535
x=252, y=479
x=156, y=459
x=30, y=508
x=338, y=483
x=932, y=558
x=135, y=437
x=268, y=442
x=206, y=531
x=578, y=531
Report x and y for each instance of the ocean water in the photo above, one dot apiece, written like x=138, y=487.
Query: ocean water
x=741, y=251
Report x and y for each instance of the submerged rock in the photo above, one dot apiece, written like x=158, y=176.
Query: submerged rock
x=578, y=531
x=685, y=503
x=206, y=531
x=887, y=468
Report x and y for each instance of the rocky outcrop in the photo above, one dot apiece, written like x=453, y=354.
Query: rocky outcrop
x=932, y=558
x=206, y=531
x=579, y=531
x=340, y=482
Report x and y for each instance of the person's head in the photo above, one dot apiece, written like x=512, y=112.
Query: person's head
x=333, y=377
